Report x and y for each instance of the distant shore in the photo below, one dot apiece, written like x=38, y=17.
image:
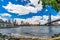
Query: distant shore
x=25, y=26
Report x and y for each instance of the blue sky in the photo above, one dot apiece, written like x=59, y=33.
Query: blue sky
x=14, y=15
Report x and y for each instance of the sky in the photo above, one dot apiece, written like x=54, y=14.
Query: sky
x=24, y=10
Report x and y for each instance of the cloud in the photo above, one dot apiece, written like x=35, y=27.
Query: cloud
x=35, y=2
x=59, y=13
x=22, y=10
x=5, y=14
x=55, y=17
x=34, y=20
x=52, y=17
x=45, y=17
x=4, y=19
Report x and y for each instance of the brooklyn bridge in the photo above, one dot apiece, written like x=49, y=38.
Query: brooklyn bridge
x=50, y=23
x=50, y=11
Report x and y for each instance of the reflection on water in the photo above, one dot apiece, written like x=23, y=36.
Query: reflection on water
x=39, y=31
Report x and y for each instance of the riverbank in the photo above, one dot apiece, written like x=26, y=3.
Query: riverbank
x=56, y=38
x=5, y=37
x=22, y=26
x=10, y=27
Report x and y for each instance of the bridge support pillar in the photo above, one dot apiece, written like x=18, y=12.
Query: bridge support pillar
x=50, y=25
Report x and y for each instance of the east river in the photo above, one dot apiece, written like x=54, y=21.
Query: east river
x=32, y=31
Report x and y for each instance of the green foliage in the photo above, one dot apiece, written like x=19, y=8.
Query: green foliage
x=0, y=35
x=4, y=36
x=53, y=3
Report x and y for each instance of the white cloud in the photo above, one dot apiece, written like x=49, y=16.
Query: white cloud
x=5, y=14
x=59, y=13
x=35, y=2
x=4, y=19
x=34, y=20
x=45, y=17
x=52, y=17
x=55, y=17
x=22, y=10
x=43, y=21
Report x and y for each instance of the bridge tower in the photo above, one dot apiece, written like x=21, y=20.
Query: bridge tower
x=50, y=25
x=49, y=20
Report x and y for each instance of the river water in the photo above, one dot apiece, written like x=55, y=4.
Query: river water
x=33, y=31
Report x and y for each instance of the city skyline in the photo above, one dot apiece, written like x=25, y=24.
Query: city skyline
x=25, y=23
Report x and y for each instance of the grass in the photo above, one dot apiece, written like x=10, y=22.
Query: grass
x=57, y=38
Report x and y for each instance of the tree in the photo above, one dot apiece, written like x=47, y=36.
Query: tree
x=0, y=34
x=53, y=3
x=58, y=1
